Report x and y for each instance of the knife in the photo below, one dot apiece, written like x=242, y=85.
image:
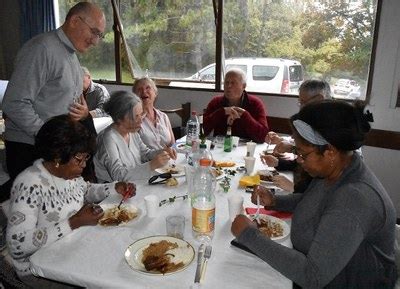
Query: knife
x=200, y=258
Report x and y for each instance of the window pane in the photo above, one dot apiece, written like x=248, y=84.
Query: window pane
x=169, y=39
x=100, y=59
x=328, y=40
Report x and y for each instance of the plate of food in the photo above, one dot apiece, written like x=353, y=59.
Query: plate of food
x=173, y=169
x=118, y=217
x=224, y=164
x=159, y=255
x=181, y=147
x=274, y=228
x=218, y=173
x=266, y=175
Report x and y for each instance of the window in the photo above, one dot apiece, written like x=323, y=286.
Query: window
x=176, y=41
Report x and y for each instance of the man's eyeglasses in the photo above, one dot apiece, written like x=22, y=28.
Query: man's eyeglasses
x=300, y=155
x=94, y=31
x=82, y=160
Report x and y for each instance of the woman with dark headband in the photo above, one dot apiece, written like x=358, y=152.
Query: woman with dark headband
x=343, y=226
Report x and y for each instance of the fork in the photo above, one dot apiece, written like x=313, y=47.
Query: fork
x=207, y=255
x=257, y=214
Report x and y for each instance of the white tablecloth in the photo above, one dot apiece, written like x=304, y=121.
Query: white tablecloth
x=93, y=256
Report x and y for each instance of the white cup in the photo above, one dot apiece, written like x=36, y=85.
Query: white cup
x=249, y=163
x=235, y=204
x=235, y=141
x=151, y=202
x=208, y=144
x=251, y=147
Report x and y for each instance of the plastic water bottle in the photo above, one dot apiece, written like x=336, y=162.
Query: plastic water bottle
x=203, y=200
x=192, y=129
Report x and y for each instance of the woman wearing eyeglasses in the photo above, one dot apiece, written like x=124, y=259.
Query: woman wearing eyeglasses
x=343, y=226
x=156, y=131
x=50, y=198
x=121, y=153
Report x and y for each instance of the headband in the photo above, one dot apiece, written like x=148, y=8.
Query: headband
x=308, y=133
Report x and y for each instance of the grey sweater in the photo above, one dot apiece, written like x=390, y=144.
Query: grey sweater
x=46, y=78
x=343, y=234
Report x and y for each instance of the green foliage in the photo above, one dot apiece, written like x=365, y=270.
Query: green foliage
x=175, y=38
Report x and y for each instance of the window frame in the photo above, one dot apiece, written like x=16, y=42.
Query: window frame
x=164, y=83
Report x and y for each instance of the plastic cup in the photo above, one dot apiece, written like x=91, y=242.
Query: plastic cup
x=235, y=141
x=235, y=204
x=175, y=226
x=219, y=141
x=249, y=163
x=151, y=202
x=251, y=147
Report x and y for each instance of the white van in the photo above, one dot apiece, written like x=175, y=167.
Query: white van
x=269, y=75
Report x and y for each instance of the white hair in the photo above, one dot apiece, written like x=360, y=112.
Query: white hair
x=238, y=72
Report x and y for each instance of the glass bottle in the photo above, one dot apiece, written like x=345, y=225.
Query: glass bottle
x=228, y=140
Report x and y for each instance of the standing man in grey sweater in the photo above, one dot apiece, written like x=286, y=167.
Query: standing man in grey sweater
x=47, y=81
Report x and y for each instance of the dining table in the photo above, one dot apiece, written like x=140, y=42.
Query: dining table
x=94, y=256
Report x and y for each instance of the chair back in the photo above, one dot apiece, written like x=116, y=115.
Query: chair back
x=184, y=113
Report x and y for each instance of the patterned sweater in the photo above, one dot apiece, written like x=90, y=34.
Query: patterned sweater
x=40, y=206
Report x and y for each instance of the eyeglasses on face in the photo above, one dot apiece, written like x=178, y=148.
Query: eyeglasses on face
x=82, y=159
x=95, y=32
x=303, y=156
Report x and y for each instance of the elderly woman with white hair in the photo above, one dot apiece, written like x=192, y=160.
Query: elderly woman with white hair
x=121, y=153
x=244, y=113
x=156, y=131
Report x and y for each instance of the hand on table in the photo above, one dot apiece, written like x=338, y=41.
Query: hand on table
x=79, y=110
x=128, y=190
x=269, y=160
x=160, y=160
x=273, y=138
x=240, y=223
x=283, y=183
x=88, y=215
x=171, y=152
x=283, y=147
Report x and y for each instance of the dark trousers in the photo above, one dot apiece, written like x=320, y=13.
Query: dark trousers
x=19, y=156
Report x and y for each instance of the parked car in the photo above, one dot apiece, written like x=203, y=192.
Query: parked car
x=271, y=75
x=347, y=88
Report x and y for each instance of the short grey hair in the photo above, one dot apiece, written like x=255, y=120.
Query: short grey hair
x=147, y=80
x=85, y=71
x=238, y=72
x=121, y=104
x=315, y=86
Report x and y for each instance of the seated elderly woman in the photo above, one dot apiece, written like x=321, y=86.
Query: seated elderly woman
x=121, y=153
x=243, y=112
x=343, y=226
x=156, y=131
x=50, y=198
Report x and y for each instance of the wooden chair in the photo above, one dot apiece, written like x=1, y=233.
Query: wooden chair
x=184, y=113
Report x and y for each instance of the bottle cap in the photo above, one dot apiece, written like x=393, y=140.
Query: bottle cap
x=205, y=162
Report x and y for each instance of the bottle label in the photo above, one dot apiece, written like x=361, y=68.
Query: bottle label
x=203, y=221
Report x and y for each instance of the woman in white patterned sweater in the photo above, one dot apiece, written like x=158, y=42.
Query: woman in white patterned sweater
x=50, y=198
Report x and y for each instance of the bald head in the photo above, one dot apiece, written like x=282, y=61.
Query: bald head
x=84, y=25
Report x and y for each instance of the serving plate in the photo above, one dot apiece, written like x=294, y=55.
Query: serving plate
x=184, y=253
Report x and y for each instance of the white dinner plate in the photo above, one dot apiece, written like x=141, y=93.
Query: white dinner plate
x=134, y=253
x=130, y=207
x=285, y=226
x=179, y=168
